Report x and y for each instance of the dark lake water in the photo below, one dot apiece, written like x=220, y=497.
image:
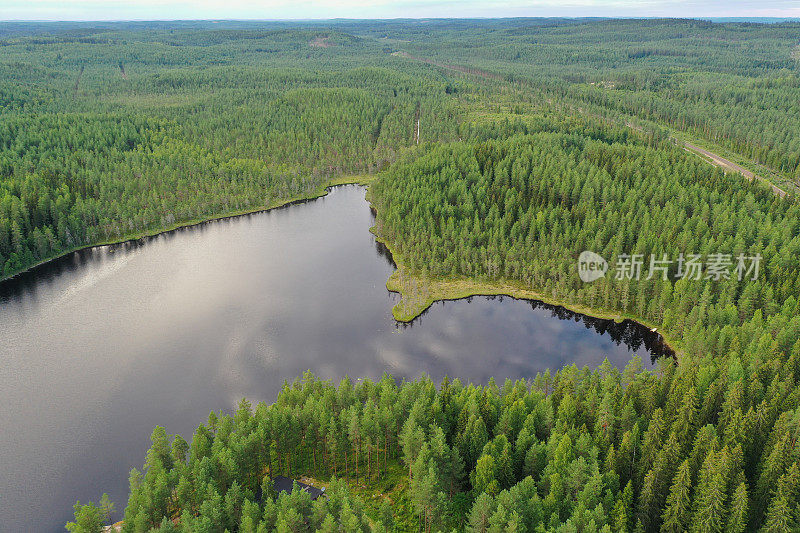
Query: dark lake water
x=98, y=348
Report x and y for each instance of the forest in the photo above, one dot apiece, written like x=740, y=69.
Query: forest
x=694, y=447
x=733, y=86
x=101, y=141
x=705, y=445
x=501, y=150
x=113, y=131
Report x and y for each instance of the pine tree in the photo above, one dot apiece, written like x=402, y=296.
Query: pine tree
x=779, y=516
x=737, y=513
x=481, y=514
x=412, y=438
x=710, y=497
x=88, y=519
x=678, y=507
x=483, y=477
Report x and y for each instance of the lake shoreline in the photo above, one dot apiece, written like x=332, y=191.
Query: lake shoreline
x=419, y=292
x=356, y=179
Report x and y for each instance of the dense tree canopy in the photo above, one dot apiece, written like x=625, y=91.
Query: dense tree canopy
x=101, y=139
x=502, y=150
x=126, y=128
x=734, y=84
x=691, y=447
x=523, y=208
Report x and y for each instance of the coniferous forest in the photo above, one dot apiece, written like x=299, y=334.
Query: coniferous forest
x=500, y=150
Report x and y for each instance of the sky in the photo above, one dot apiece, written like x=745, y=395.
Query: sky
x=326, y=9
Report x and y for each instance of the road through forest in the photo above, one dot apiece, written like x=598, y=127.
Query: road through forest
x=711, y=157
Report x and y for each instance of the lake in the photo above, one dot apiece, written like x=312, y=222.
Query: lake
x=102, y=345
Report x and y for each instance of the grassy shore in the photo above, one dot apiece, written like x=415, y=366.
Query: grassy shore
x=419, y=291
x=357, y=179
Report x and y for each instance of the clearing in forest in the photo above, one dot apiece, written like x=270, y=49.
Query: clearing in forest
x=320, y=42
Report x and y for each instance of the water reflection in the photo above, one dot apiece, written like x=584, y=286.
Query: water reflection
x=385, y=253
x=100, y=346
x=634, y=336
x=627, y=332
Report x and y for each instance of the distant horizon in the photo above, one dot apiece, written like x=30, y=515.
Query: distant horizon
x=318, y=10
x=400, y=19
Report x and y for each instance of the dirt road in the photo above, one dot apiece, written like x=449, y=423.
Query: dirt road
x=729, y=165
x=464, y=70
x=711, y=157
